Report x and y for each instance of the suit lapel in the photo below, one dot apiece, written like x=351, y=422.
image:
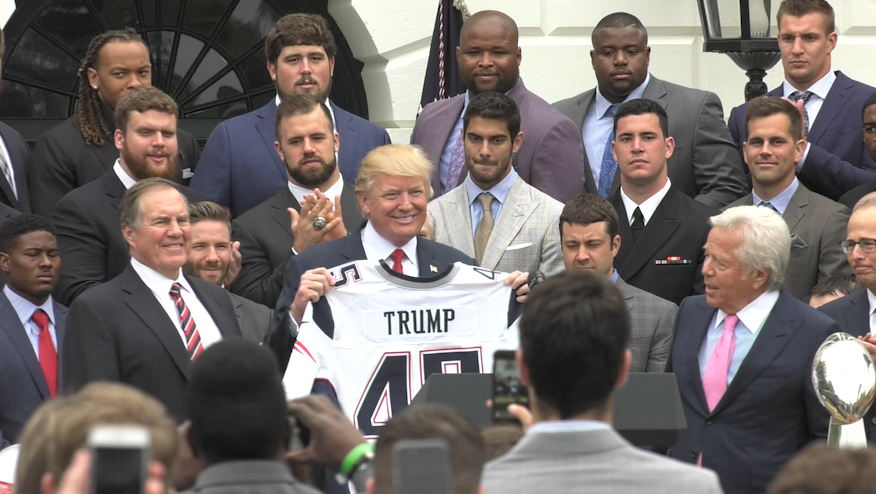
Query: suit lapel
x=280, y=214
x=629, y=297
x=265, y=127
x=350, y=136
x=517, y=209
x=11, y=325
x=60, y=321
x=857, y=317
x=660, y=228
x=777, y=331
x=142, y=302
x=213, y=306
x=687, y=348
x=584, y=102
x=350, y=213
x=833, y=105
x=457, y=213
x=114, y=188
x=796, y=209
x=426, y=259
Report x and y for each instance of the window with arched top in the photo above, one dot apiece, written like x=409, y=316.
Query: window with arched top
x=207, y=54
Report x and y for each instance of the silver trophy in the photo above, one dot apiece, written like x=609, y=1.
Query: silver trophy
x=845, y=381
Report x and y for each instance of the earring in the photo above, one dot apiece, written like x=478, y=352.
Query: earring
x=95, y=87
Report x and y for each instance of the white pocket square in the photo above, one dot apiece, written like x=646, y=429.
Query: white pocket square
x=520, y=246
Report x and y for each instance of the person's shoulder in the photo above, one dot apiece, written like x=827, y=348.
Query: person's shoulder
x=695, y=209
x=436, y=108
x=800, y=310
x=862, y=89
x=825, y=205
x=102, y=295
x=545, y=201
x=673, y=475
x=648, y=298
x=567, y=104
x=356, y=120
x=684, y=92
x=257, y=214
x=839, y=306
x=445, y=252
x=91, y=193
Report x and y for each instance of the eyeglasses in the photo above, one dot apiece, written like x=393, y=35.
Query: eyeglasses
x=867, y=246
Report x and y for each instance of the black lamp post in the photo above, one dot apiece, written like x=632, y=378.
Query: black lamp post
x=741, y=29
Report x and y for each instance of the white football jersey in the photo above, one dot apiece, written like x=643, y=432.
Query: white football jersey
x=391, y=332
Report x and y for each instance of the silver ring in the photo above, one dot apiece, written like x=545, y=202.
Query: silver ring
x=318, y=223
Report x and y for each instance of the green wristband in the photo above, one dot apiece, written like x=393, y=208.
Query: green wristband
x=354, y=456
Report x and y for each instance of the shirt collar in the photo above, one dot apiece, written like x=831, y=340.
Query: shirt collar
x=126, y=179
x=499, y=191
x=378, y=248
x=781, y=201
x=755, y=313
x=25, y=308
x=648, y=207
x=156, y=281
x=614, y=276
x=872, y=299
x=560, y=426
x=334, y=190
x=602, y=104
x=820, y=88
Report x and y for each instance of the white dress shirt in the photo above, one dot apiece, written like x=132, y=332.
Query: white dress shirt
x=160, y=285
x=25, y=309
x=872, y=299
x=8, y=159
x=126, y=179
x=378, y=248
x=648, y=207
x=819, y=92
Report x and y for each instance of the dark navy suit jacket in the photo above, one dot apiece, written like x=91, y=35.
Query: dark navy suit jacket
x=770, y=410
x=23, y=385
x=241, y=167
x=837, y=160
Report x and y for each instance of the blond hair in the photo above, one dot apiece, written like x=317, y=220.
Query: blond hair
x=397, y=160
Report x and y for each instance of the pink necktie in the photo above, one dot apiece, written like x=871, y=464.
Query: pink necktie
x=715, y=377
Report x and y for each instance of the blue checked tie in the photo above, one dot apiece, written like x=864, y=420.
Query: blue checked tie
x=609, y=165
x=804, y=95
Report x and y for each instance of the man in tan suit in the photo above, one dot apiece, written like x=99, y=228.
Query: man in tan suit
x=494, y=216
x=773, y=145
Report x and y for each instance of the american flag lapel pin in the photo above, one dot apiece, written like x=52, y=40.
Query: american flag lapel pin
x=433, y=269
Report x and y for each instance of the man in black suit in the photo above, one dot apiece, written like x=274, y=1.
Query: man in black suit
x=87, y=219
x=210, y=259
x=308, y=146
x=31, y=323
x=662, y=230
x=854, y=311
x=144, y=327
x=14, y=157
x=80, y=149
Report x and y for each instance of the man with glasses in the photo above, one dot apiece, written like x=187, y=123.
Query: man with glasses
x=855, y=312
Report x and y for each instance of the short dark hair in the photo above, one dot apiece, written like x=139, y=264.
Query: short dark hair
x=143, y=99
x=209, y=211
x=13, y=229
x=467, y=450
x=493, y=105
x=236, y=403
x=643, y=106
x=774, y=105
x=799, y=8
x=299, y=29
x=299, y=104
x=867, y=104
x=573, y=336
x=836, y=285
x=586, y=209
x=823, y=468
x=620, y=20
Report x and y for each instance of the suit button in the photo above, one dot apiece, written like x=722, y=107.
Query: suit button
x=709, y=422
x=873, y=420
x=693, y=454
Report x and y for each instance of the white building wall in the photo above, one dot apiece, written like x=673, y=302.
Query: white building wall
x=392, y=38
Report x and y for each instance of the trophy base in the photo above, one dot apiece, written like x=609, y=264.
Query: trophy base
x=846, y=436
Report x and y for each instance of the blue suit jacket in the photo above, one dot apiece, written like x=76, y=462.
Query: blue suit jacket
x=837, y=160
x=23, y=386
x=241, y=168
x=769, y=411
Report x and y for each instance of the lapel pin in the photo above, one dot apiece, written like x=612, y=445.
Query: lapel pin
x=433, y=269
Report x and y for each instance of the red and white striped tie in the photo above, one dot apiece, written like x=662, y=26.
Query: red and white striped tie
x=190, y=329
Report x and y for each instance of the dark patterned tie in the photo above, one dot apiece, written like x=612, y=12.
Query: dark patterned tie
x=193, y=338
x=768, y=205
x=804, y=95
x=609, y=165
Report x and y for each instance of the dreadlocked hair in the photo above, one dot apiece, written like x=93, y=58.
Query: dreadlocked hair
x=91, y=120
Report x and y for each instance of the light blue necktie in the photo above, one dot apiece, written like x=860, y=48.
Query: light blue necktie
x=609, y=165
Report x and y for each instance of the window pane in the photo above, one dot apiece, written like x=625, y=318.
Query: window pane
x=255, y=71
x=250, y=22
x=169, y=12
x=186, y=52
x=19, y=101
x=148, y=7
x=203, y=16
x=71, y=23
x=225, y=110
x=118, y=14
x=227, y=86
x=210, y=65
x=160, y=44
x=36, y=58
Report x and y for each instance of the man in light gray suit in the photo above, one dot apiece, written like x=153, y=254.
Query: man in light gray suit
x=705, y=164
x=551, y=158
x=496, y=217
x=589, y=231
x=773, y=146
x=576, y=324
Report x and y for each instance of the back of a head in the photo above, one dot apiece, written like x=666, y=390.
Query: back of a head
x=573, y=336
x=236, y=403
x=465, y=445
x=109, y=403
x=823, y=469
x=33, y=457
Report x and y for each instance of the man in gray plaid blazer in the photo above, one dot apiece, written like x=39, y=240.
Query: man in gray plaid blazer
x=589, y=232
x=494, y=216
x=575, y=324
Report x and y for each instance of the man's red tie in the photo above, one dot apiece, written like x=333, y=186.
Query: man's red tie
x=397, y=257
x=48, y=354
x=190, y=329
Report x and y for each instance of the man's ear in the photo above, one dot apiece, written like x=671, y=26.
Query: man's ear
x=47, y=484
